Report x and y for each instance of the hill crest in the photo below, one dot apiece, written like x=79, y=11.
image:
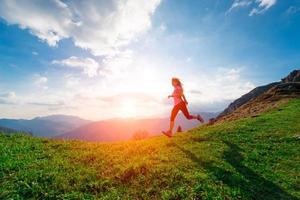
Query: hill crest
x=263, y=98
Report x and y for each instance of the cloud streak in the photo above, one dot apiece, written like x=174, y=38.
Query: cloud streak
x=239, y=4
x=259, y=6
x=263, y=6
x=9, y=98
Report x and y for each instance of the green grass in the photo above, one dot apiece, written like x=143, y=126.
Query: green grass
x=253, y=158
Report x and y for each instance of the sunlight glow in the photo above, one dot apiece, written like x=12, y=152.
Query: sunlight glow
x=128, y=108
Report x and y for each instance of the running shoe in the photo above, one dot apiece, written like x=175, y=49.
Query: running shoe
x=200, y=118
x=167, y=133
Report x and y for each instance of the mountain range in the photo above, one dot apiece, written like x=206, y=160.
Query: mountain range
x=11, y=131
x=123, y=129
x=48, y=126
x=71, y=127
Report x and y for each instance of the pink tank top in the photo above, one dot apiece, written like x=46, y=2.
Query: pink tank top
x=177, y=95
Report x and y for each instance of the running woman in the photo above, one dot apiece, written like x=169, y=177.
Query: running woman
x=180, y=104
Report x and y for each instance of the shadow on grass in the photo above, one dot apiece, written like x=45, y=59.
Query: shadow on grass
x=251, y=184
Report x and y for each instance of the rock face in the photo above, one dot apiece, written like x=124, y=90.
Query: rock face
x=284, y=90
x=294, y=76
x=246, y=98
x=263, y=98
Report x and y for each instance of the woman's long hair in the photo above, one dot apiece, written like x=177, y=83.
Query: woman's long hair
x=177, y=81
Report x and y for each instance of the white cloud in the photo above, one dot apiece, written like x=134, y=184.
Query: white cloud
x=118, y=64
x=239, y=4
x=71, y=81
x=225, y=84
x=103, y=27
x=98, y=25
x=35, y=53
x=266, y=4
x=88, y=65
x=231, y=74
x=41, y=81
x=263, y=6
x=9, y=98
x=260, y=6
x=48, y=20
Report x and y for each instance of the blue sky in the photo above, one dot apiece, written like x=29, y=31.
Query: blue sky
x=102, y=60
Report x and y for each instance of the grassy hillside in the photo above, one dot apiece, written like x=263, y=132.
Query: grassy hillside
x=253, y=158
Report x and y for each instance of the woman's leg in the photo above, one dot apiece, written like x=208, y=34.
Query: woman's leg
x=174, y=113
x=172, y=123
x=186, y=113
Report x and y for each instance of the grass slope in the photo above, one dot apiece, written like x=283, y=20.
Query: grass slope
x=253, y=158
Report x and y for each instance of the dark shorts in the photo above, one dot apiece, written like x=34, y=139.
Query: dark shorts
x=180, y=106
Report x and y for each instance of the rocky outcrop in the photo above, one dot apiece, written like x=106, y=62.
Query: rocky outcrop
x=263, y=98
x=283, y=90
x=294, y=76
x=246, y=98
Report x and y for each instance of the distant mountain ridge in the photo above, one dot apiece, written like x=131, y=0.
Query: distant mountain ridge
x=123, y=129
x=72, y=127
x=12, y=131
x=48, y=126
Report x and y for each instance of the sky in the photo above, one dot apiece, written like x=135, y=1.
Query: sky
x=100, y=59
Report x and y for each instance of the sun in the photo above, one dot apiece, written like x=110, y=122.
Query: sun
x=128, y=108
